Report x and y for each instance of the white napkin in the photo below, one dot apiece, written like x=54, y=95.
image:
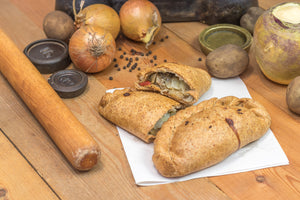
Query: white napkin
x=263, y=153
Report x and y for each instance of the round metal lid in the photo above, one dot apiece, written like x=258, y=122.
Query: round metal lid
x=68, y=83
x=48, y=55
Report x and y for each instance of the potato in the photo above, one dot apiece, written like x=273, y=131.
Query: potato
x=58, y=25
x=227, y=61
x=249, y=19
x=293, y=95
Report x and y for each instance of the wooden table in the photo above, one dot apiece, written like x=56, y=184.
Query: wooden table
x=32, y=167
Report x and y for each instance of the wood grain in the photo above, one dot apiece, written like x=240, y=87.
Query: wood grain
x=18, y=179
x=112, y=177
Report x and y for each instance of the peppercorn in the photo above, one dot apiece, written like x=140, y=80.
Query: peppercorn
x=114, y=59
x=110, y=78
x=136, y=58
x=121, y=56
x=116, y=65
x=154, y=57
x=199, y=59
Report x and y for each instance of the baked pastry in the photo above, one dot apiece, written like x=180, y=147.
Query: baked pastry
x=140, y=113
x=205, y=134
x=183, y=83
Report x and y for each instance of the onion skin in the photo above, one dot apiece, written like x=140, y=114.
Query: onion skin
x=99, y=15
x=277, y=47
x=92, y=49
x=140, y=20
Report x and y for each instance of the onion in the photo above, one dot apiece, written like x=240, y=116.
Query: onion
x=92, y=49
x=140, y=20
x=98, y=15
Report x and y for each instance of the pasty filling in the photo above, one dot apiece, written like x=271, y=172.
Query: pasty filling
x=162, y=120
x=171, y=84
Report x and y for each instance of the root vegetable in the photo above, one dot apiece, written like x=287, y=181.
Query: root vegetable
x=58, y=25
x=249, y=19
x=227, y=61
x=276, y=41
x=293, y=95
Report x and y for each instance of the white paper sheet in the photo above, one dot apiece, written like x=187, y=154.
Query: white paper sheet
x=263, y=153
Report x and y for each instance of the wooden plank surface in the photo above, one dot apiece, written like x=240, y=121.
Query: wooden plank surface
x=112, y=177
x=19, y=180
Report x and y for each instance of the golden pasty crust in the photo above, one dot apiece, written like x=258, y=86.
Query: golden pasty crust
x=203, y=135
x=136, y=111
x=197, y=80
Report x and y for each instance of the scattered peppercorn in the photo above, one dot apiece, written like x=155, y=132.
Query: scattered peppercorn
x=167, y=37
x=199, y=59
x=110, y=78
x=130, y=70
x=155, y=64
x=149, y=52
x=120, y=49
x=139, y=68
x=154, y=43
x=121, y=56
x=151, y=61
x=124, y=53
x=119, y=69
x=136, y=58
x=165, y=60
x=124, y=67
x=126, y=58
x=154, y=57
x=116, y=65
x=134, y=66
x=162, y=39
x=130, y=59
x=114, y=59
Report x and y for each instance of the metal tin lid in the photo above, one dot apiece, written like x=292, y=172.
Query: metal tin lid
x=48, y=55
x=68, y=83
x=221, y=34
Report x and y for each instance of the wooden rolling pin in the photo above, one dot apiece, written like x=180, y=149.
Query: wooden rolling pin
x=62, y=126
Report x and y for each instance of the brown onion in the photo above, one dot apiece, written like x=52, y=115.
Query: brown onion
x=140, y=20
x=92, y=49
x=98, y=15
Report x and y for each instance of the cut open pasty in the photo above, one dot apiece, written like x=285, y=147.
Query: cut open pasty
x=138, y=112
x=183, y=83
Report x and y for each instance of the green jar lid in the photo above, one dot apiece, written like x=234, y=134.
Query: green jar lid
x=221, y=34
